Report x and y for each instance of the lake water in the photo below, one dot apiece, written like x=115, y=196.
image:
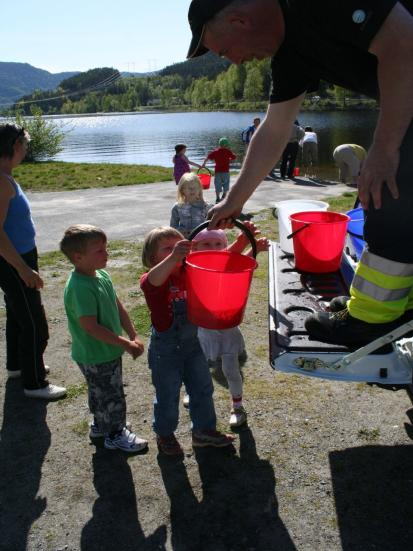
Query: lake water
x=149, y=138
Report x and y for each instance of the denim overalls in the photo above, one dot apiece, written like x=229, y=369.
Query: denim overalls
x=175, y=357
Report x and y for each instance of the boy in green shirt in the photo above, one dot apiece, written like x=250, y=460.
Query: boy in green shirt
x=96, y=318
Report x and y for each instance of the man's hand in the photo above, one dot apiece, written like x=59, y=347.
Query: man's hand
x=222, y=214
x=379, y=168
x=181, y=250
x=31, y=278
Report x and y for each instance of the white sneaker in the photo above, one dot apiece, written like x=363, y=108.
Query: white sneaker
x=238, y=417
x=185, y=400
x=126, y=441
x=96, y=433
x=15, y=374
x=49, y=392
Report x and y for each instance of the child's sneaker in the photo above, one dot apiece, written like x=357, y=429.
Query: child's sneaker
x=169, y=445
x=126, y=441
x=238, y=417
x=185, y=400
x=213, y=438
x=95, y=432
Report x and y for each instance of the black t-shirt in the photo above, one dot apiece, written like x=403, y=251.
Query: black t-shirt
x=329, y=40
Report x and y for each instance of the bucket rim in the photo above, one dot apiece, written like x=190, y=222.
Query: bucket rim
x=254, y=263
x=285, y=202
x=344, y=217
x=358, y=210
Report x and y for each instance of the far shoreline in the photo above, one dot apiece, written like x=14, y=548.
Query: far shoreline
x=260, y=108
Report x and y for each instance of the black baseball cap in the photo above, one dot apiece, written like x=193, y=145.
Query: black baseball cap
x=199, y=13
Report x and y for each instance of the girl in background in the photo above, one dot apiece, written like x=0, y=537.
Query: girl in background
x=181, y=162
x=191, y=209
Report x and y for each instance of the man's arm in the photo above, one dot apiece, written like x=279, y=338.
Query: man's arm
x=266, y=147
x=393, y=47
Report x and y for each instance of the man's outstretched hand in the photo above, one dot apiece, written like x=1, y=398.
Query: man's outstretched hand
x=380, y=168
x=222, y=215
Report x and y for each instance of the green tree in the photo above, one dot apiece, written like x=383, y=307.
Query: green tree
x=46, y=136
x=254, y=83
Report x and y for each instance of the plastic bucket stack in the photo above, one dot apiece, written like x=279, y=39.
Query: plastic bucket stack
x=284, y=209
x=318, y=240
x=355, y=231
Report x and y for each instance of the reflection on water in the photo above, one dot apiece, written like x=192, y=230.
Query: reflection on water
x=150, y=138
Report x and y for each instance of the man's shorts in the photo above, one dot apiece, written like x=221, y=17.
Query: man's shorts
x=221, y=182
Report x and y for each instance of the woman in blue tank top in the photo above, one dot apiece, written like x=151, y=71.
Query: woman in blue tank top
x=26, y=326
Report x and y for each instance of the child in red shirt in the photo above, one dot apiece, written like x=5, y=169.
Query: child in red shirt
x=175, y=355
x=222, y=157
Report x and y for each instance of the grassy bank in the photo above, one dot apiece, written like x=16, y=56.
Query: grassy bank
x=60, y=176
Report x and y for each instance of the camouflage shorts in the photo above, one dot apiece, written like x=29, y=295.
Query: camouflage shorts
x=105, y=393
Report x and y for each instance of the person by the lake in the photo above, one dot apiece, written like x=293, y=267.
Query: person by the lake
x=362, y=46
x=227, y=345
x=191, y=209
x=175, y=355
x=248, y=132
x=309, y=151
x=349, y=158
x=290, y=152
x=27, y=331
x=96, y=318
x=182, y=164
x=222, y=156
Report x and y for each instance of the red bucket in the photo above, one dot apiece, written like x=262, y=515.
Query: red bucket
x=205, y=178
x=318, y=240
x=218, y=284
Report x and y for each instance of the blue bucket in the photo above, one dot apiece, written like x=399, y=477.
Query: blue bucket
x=355, y=230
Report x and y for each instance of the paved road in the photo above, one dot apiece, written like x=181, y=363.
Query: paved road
x=130, y=212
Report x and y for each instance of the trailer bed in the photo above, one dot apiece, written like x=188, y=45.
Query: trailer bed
x=293, y=296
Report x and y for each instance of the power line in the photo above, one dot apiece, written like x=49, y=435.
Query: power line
x=111, y=79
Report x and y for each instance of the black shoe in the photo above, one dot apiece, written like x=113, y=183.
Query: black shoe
x=342, y=328
x=338, y=303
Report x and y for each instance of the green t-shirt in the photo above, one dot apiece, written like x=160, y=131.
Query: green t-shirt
x=92, y=296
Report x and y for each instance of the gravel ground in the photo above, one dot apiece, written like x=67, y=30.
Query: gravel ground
x=321, y=466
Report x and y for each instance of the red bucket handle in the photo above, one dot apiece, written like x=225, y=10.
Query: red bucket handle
x=298, y=231
x=204, y=168
x=236, y=223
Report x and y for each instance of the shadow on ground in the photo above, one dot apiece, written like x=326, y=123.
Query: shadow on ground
x=25, y=439
x=373, y=490
x=238, y=509
x=115, y=523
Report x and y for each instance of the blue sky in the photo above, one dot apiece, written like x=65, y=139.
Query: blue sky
x=139, y=35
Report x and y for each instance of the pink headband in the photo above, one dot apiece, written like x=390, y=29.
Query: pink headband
x=211, y=234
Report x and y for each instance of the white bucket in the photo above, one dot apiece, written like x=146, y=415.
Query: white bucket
x=284, y=209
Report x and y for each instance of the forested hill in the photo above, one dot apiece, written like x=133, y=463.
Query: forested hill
x=208, y=65
x=19, y=79
x=205, y=83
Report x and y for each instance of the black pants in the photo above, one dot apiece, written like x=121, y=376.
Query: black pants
x=289, y=157
x=26, y=325
x=389, y=231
